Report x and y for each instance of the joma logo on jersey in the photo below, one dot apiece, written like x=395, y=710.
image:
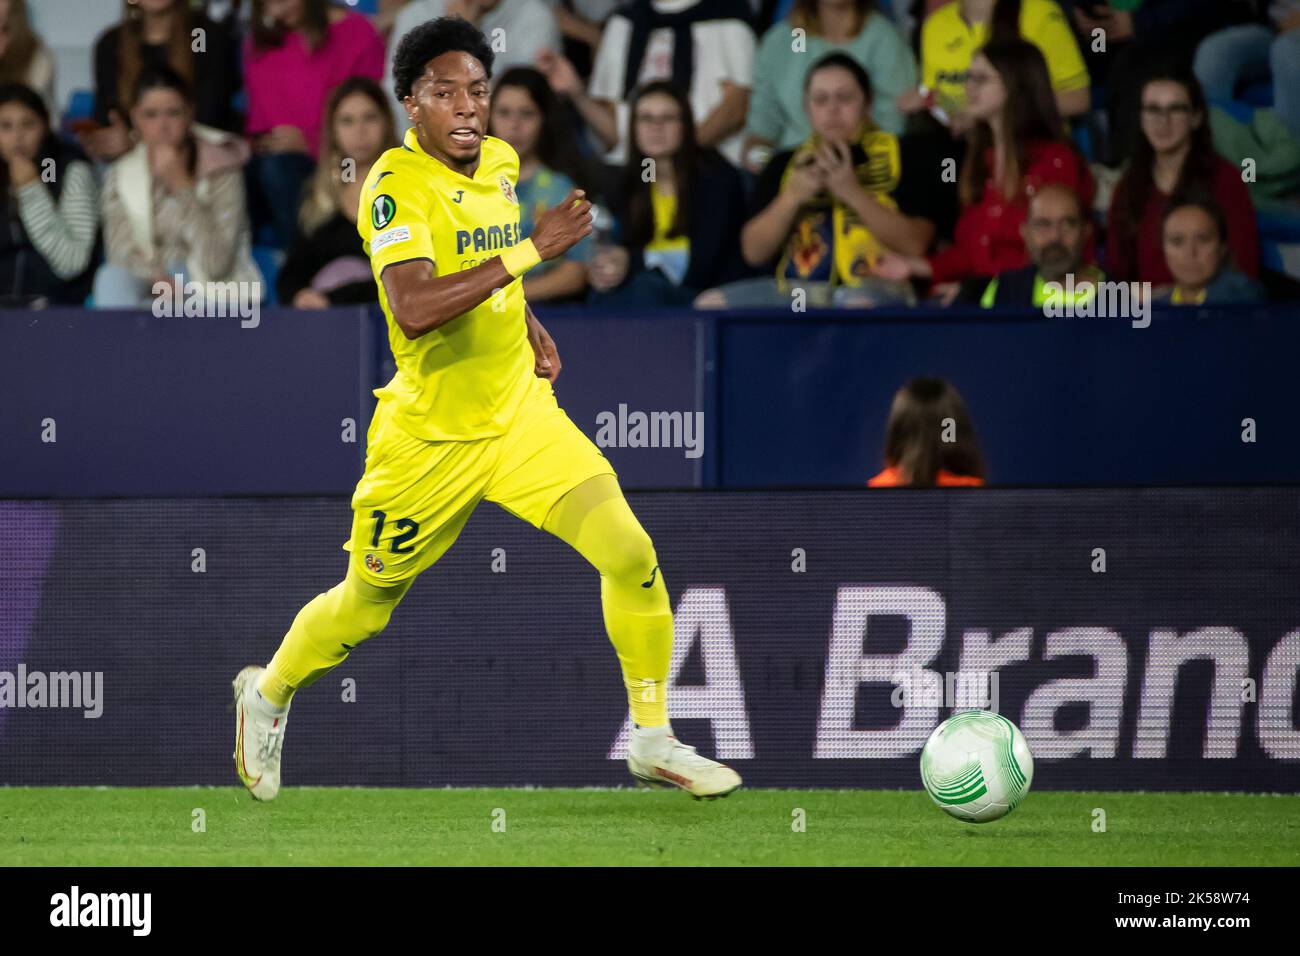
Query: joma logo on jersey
x=485, y=240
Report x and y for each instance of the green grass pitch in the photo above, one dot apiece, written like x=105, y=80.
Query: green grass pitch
x=341, y=826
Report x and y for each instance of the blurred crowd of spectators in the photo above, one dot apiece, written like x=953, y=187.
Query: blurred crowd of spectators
x=847, y=152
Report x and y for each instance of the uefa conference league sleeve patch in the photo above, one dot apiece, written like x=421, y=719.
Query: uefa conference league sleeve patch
x=382, y=212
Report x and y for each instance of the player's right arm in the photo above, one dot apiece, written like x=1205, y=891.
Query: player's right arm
x=421, y=301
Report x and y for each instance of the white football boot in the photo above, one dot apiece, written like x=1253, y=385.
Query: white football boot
x=661, y=760
x=259, y=735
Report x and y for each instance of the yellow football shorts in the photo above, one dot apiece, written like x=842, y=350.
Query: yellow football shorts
x=416, y=495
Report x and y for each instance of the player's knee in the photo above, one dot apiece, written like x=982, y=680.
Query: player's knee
x=370, y=607
x=632, y=557
x=373, y=618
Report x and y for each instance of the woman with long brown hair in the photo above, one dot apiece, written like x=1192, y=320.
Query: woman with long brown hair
x=680, y=209
x=326, y=265
x=777, y=119
x=161, y=33
x=952, y=35
x=930, y=440
x=24, y=58
x=1174, y=159
x=1016, y=144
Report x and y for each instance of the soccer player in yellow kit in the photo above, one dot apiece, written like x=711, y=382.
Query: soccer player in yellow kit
x=470, y=415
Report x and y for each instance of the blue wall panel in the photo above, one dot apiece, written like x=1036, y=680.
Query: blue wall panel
x=180, y=407
x=805, y=401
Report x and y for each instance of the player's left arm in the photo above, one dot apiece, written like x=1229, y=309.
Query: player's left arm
x=547, y=364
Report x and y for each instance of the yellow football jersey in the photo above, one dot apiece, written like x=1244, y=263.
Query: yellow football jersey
x=949, y=43
x=464, y=380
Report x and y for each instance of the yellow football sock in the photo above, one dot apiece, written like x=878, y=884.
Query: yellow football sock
x=325, y=632
x=595, y=519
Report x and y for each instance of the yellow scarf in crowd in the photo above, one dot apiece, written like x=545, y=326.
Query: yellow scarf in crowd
x=841, y=251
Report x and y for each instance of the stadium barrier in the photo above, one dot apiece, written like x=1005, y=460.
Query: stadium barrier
x=126, y=404
x=1142, y=639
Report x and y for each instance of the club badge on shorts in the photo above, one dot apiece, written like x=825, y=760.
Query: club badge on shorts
x=374, y=563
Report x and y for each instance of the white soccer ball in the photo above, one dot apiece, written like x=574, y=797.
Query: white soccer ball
x=977, y=766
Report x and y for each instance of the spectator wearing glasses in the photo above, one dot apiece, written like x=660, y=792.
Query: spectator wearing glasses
x=679, y=210
x=954, y=33
x=1017, y=145
x=1142, y=36
x=1174, y=157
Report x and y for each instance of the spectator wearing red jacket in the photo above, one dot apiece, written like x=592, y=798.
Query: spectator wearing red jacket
x=1017, y=145
x=1174, y=160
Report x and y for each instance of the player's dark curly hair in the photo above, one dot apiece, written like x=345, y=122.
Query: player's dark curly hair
x=431, y=40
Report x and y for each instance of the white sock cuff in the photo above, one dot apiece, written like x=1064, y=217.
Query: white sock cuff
x=650, y=733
